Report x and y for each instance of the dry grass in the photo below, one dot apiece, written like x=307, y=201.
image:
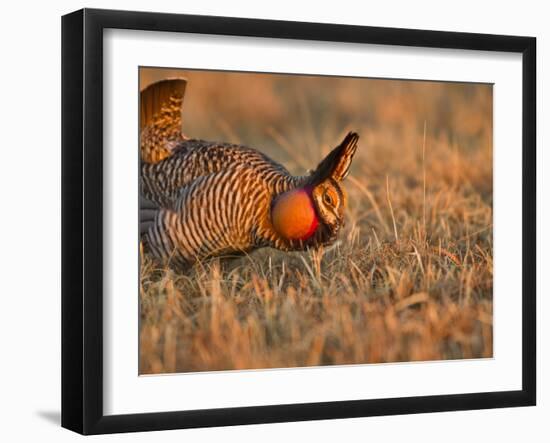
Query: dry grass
x=411, y=275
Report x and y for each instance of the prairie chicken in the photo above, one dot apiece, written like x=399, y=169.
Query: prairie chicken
x=201, y=199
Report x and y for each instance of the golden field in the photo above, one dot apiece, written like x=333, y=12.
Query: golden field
x=411, y=276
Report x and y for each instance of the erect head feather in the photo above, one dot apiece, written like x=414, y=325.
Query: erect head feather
x=337, y=163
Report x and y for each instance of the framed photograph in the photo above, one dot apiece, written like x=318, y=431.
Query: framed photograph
x=269, y=221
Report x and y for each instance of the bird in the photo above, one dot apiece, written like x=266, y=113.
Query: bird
x=202, y=199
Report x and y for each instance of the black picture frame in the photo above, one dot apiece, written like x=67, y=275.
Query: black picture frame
x=82, y=218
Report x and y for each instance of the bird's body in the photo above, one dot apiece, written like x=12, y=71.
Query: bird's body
x=207, y=199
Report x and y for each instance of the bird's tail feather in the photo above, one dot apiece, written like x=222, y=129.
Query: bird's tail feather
x=161, y=106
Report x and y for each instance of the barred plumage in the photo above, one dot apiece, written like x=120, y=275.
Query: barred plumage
x=202, y=199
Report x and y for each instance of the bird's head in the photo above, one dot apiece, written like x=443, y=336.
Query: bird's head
x=315, y=212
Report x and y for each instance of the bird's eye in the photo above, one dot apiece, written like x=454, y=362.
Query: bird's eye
x=327, y=198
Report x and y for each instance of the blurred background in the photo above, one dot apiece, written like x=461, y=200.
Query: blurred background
x=411, y=276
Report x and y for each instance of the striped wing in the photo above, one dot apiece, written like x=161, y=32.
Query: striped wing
x=214, y=215
x=161, y=182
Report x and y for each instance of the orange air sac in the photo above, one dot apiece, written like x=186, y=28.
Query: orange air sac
x=294, y=216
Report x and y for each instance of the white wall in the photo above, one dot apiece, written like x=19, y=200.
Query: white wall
x=30, y=218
